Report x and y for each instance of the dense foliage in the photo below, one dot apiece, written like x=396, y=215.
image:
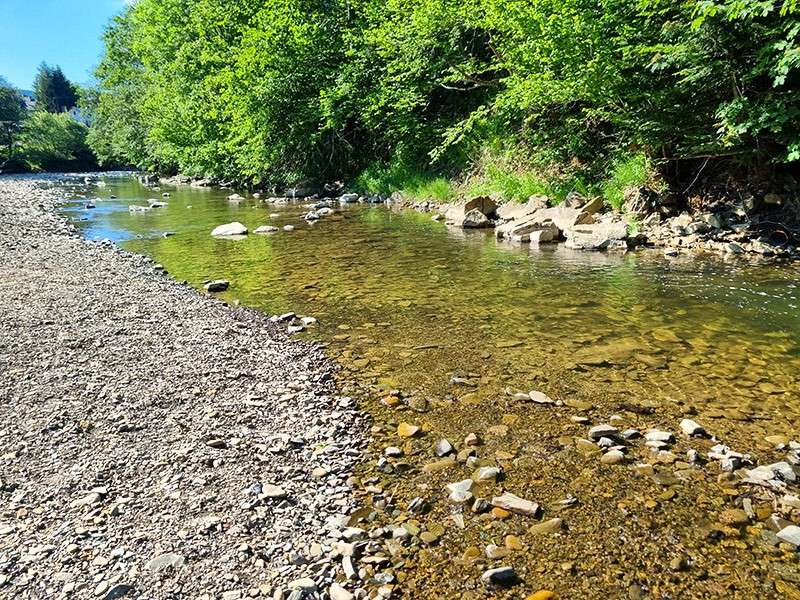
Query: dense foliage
x=579, y=91
x=54, y=92
x=12, y=114
x=43, y=139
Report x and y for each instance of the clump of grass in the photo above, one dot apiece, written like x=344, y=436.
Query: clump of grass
x=631, y=171
x=412, y=182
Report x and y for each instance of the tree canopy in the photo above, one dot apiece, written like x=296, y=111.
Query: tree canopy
x=54, y=92
x=281, y=90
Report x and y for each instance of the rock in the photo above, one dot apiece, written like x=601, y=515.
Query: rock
x=691, y=428
x=659, y=436
x=229, y=229
x=472, y=440
x=288, y=227
x=165, y=561
x=269, y=490
x=494, y=552
x=790, y=534
x=337, y=592
x=639, y=201
x=598, y=236
x=219, y=285
x=542, y=595
x=546, y=527
x=392, y=452
x=348, y=198
x=443, y=448
x=406, y=430
x=118, y=591
x=504, y=576
x=266, y=229
x=304, y=584
x=461, y=492
x=485, y=474
x=540, y=398
x=515, y=211
x=475, y=219
x=612, y=457
x=461, y=213
x=734, y=516
x=515, y=504
x=599, y=431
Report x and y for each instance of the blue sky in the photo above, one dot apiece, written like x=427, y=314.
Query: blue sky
x=59, y=32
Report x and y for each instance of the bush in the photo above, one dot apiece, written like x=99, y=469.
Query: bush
x=54, y=142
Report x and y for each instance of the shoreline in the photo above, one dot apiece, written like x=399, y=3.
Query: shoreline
x=156, y=441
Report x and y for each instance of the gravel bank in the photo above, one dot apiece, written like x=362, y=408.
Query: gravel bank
x=149, y=434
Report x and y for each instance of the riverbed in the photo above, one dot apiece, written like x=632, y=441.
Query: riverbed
x=445, y=330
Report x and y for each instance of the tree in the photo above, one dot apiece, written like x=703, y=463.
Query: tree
x=54, y=92
x=12, y=115
x=54, y=142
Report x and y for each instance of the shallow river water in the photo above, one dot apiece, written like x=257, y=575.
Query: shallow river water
x=405, y=303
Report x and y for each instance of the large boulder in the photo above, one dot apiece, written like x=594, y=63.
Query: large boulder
x=598, y=236
x=229, y=230
x=514, y=211
x=475, y=219
x=640, y=201
x=457, y=212
x=563, y=217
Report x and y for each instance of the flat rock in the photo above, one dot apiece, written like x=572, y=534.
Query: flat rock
x=515, y=504
x=165, y=561
x=546, y=527
x=790, y=534
x=229, y=229
x=604, y=430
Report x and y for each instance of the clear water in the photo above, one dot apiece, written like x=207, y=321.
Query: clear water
x=405, y=303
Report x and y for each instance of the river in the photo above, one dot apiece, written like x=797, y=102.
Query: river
x=440, y=327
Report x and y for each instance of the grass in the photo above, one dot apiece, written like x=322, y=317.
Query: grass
x=633, y=171
x=412, y=182
x=502, y=178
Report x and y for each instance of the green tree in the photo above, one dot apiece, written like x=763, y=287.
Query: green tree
x=54, y=142
x=54, y=92
x=12, y=115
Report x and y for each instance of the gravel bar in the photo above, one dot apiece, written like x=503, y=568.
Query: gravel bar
x=156, y=442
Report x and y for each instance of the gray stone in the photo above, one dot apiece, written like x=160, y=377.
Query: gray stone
x=443, y=448
x=229, y=229
x=475, y=219
x=597, y=236
x=461, y=491
x=219, y=285
x=604, y=430
x=499, y=576
x=165, y=561
x=790, y=534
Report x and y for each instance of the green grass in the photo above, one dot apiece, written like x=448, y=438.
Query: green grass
x=502, y=178
x=412, y=182
x=633, y=171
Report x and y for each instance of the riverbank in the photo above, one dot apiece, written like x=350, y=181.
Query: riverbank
x=155, y=442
